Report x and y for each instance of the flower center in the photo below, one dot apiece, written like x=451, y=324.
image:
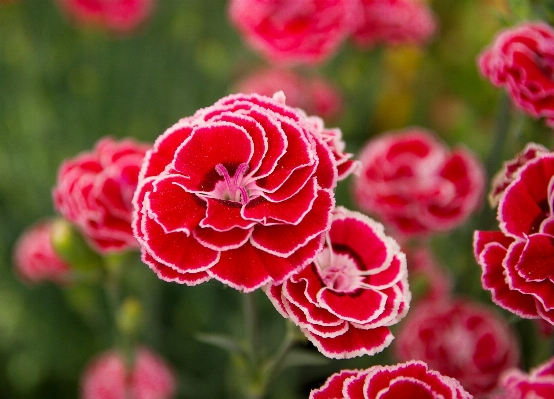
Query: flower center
x=340, y=272
x=237, y=188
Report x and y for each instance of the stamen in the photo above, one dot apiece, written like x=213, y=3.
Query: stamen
x=243, y=196
x=222, y=171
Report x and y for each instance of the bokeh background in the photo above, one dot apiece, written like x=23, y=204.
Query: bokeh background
x=62, y=87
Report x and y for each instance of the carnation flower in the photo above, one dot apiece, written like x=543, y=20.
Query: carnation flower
x=107, y=377
x=313, y=95
x=115, y=15
x=394, y=22
x=34, y=257
x=538, y=384
x=521, y=59
x=516, y=261
x=459, y=339
x=95, y=191
x=415, y=184
x=300, y=31
x=356, y=288
x=242, y=191
x=406, y=380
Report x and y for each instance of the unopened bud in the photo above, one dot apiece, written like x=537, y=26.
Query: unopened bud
x=70, y=245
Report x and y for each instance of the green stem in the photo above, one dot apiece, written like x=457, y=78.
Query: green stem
x=274, y=365
x=500, y=135
x=251, y=320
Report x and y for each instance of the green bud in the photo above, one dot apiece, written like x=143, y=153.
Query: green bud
x=70, y=245
x=129, y=317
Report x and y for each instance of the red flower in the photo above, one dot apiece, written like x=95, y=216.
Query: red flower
x=300, y=31
x=115, y=15
x=516, y=260
x=538, y=384
x=107, y=378
x=406, y=380
x=345, y=301
x=460, y=339
x=394, y=22
x=34, y=257
x=242, y=191
x=95, y=191
x=521, y=59
x=415, y=184
x=314, y=96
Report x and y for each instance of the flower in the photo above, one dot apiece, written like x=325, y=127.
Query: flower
x=406, y=380
x=357, y=287
x=415, y=184
x=313, y=95
x=459, y=339
x=149, y=378
x=34, y=257
x=118, y=16
x=521, y=59
x=394, y=22
x=300, y=31
x=538, y=384
x=516, y=261
x=94, y=191
x=242, y=191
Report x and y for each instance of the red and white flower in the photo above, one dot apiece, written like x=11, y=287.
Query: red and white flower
x=516, y=261
x=415, y=184
x=300, y=31
x=521, y=59
x=95, y=191
x=459, y=339
x=115, y=15
x=394, y=22
x=242, y=191
x=538, y=384
x=405, y=380
x=107, y=377
x=34, y=257
x=356, y=288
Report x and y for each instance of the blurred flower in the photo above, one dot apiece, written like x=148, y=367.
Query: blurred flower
x=34, y=257
x=242, y=191
x=538, y=384
x=415, y=184
x=394, y=22
x=300, y=31
x=521, y=59
x=517, y=260
x=424, y=268
x=107, y=377
x=314, y=96
x=94, y=190
x=356, y=288
x=460, y=339
x=405, y=380
x=115, y=15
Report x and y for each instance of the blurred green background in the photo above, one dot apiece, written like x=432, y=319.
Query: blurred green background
x=63, y=87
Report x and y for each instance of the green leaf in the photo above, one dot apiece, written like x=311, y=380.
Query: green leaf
x=302, y=357
x=221, y=341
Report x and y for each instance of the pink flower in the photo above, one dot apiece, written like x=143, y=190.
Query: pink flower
x=95, y=190
x=34, y=257
x=415, y=184
x=406, y=380
x=242, y=191
x=460, y=339
x=394, y=22
x=423, y=267
x=516, y=260
x=300, y=31
x=107, y=378
x=538, y=384
x=356, y=288
x=521, y=59
x=313, y=95
x=118, y=16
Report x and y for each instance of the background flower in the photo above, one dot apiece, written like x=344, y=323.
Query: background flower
x=538, y=383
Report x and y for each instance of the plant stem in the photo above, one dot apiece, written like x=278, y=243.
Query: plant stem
x=500, y=134
x=251, y=320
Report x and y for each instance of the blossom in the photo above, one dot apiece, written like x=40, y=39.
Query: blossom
x=516, y=261
x=521, y=59
x=94, y=191
x=460, y=339
x=300, y=31
x=405, y=380
x=394, y=22
x=538, y=384
x=34, y=257
x=150, y=377
x=114, y=15
x=415, y=184
x=242, y=191
x=314, y=95
x=357, y=287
